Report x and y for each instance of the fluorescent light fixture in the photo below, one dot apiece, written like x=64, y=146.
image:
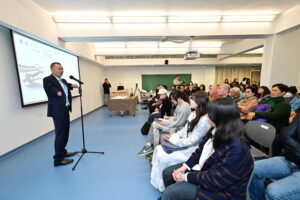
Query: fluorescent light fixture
x=142, y=44
x=125, y=19
x=248, y=18
x=132, y=13
x=81, y=19
x=206, y=44
x=194, y=19
x=173, y=45
x=110, y=45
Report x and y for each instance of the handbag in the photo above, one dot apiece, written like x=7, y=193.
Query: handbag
x=145, y=128
x=168, y=147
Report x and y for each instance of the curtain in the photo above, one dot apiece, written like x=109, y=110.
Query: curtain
x=232, y=72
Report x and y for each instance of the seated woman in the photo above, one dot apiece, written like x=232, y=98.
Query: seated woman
x=168, y=124
x=263, y=92
x=221, y=166
x=189, y=137
x=279, y=116
x=248, y=103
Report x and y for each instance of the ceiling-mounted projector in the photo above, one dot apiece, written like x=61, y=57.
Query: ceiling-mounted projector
x=191, y=55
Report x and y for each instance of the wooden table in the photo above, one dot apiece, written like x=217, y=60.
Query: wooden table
x=120, y=93
x=122, y=105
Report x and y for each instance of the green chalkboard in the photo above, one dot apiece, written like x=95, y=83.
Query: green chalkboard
x=149, y=81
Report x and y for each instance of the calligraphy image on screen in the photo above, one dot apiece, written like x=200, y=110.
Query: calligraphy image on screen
x=33, y=64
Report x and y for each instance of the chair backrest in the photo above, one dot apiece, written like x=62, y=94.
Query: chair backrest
x=261, y=133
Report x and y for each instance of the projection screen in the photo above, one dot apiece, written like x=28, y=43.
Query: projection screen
x=33, y=59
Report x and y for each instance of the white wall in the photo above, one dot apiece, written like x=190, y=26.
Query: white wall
x=84, y=49
x=92, y=74
x=130, y=75
x=281, y=62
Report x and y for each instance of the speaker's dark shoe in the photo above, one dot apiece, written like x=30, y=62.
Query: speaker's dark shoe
x=63, y=162
x=70, y=154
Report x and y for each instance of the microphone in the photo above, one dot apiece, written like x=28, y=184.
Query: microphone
x=79, y=81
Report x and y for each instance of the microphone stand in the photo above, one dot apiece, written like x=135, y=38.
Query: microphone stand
x=83, y=150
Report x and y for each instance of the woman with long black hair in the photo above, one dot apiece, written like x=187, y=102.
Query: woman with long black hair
x=188, y=138
x=221, y=166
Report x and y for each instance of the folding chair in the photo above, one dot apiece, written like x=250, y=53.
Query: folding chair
x=263, y=134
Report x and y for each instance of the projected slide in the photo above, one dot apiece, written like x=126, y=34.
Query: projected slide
x=33, y=64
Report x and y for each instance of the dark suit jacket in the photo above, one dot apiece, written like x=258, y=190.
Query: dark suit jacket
x=56, y=104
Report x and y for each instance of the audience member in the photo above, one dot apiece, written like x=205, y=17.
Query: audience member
x=244, y=81
x=235, y=94
x=154, y=103
x=168, y=124
x=213, y=92
x=242, y=88
x=254, y=86
x=191, y=88
x=221, y=166
x=182, y=88
x=235, y=83
x=248, y=103
x=157, y=88
x=292, y=98
x=223, y=90
x=226, y=81
x=202, y=88
x=279, y=116
x=280, y=108
x=284, y=169
x=262, y=93
x=190, y=136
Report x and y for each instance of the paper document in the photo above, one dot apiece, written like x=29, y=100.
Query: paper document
x=120, y=97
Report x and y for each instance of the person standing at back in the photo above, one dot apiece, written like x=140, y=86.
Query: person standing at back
x=59, y=105
x=106, y=89
x=177, y=80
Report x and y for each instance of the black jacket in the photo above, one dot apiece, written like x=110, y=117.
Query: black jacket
x=106, y=87
x=290, y=138
x=56, y=103
x=166, y=107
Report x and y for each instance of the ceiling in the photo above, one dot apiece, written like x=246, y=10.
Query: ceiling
x=164, y=8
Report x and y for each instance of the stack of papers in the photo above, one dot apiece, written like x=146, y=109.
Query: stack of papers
x=120, y=97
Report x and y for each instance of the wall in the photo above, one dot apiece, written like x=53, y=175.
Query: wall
x=92, y=74
x=130, y=75
x=21, y=125
x=84, y=49
x=281, y=58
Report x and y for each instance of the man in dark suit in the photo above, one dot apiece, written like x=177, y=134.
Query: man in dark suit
x=59, y=105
